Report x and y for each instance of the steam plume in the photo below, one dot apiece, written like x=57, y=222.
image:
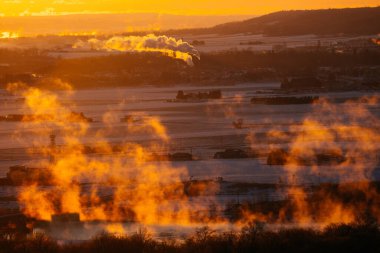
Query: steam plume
x=347, y=132
x=150, y=193
x=169, y=46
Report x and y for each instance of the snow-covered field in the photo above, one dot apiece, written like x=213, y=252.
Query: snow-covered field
x=201, y=128
x=215, y=43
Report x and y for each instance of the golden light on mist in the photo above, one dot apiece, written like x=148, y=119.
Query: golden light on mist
x=142, y=191
x=9, y=35
x=154, y=193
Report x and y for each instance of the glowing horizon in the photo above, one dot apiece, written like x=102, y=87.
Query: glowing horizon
x=186, y=7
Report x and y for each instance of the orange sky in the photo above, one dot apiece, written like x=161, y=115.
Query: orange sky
x=203, y=7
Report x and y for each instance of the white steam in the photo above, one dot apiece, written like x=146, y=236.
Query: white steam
x=169, y=46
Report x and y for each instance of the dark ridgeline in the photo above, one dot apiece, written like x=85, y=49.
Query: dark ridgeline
x=349, y=21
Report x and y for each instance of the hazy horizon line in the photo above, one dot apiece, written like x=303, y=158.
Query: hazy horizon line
x=59, y=14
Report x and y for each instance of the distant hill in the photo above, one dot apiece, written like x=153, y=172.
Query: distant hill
x=351, y=21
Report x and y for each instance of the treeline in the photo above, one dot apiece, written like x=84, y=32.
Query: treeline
x=28, y=60
x=287, y=60
x=131, y=69
x=355, y=238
